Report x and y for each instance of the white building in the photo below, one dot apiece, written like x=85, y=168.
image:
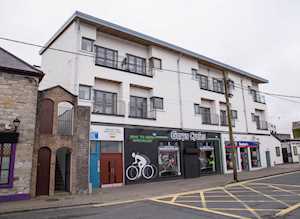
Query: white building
x=131, y=80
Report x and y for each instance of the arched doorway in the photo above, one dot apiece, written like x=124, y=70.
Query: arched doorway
x=62, y=170
x=43, y=171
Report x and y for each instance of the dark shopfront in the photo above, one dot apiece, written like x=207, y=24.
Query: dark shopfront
x=152, y=155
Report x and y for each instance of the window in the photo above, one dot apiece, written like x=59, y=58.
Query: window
x=234, y=114
x=106, y=57
x=223, y=117
x=65, y=118
x=231, y=85
x=295, y=150
x=84, y=92
x=138, y=107
x=155, y=63
x=195, y=74
x=111, y=146
x=277, y=151
x=204, y=82
x=206, y=116
x=105, y=102
x=197, y=109
x=255, y=157
x=168, y=159
x=157, y=103
x=136, y=64
x=87, y=44
x=6, y=164
x=218, y=85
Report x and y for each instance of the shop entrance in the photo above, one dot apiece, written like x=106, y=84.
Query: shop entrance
x=111, y=164
x=209, y=156
x=244, y=158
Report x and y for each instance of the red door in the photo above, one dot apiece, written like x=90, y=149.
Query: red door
x=111, y=168
x=43, y=171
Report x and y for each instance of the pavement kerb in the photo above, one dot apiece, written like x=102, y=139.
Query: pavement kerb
x=100, y=204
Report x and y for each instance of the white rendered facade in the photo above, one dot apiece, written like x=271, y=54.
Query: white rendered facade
x=174, y=82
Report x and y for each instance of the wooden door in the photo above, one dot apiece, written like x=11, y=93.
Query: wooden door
x=43, y=171
x=111, y=168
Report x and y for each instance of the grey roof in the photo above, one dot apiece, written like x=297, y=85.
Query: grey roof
x=149, y=39
x=13, y=64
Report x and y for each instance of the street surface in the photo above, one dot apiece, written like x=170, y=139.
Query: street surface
x=277, y=196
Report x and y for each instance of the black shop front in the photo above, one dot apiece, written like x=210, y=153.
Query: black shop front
x=155, y=154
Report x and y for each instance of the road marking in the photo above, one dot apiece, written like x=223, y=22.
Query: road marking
x=242, y=209
x=203, y=200
x=118, y=203
x=265, y=195
x=225, y=201
x=243, y=203
x=288, y=210
x=284, y=190
x=275, y=184
x=200, y=209
x=174, y=198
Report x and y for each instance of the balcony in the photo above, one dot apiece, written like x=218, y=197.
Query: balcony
x=150, y=114
x=116, y=108
x=262, y=125
x=215, y=85
x=210, y=119
x=257, y=97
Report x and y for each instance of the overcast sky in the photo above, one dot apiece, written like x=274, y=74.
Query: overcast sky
x=259, y=36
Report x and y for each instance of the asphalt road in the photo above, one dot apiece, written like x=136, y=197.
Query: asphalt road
x=264, y=198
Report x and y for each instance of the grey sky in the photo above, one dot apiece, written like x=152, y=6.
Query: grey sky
x=259, y=36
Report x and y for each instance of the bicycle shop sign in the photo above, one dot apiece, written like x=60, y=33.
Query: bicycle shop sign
x=187, y=136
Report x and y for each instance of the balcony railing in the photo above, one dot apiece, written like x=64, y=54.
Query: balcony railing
x=141, y=112
x=257, y=97
x=116, y=108
x=262, y=125
x=211, y=86
x=123, y=65
x=210, y=119
x=224, y=121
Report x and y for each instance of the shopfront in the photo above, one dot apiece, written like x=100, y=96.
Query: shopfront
x=106, y=156
x=161, y=154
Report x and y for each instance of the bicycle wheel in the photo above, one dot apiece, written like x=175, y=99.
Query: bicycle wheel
x=132, y=172
x=148, y=171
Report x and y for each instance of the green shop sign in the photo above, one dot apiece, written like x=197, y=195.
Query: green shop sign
x=147, y=138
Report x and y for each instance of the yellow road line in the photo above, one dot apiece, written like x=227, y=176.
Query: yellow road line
x=265, y=195
x=203, y=200
x=287, y=210
x=284, y=190
x=240, y=196
x=174, y=198
x=275, y=184
x=225, y=201
x=242, y=209
x=252, y=211
x=200, y=209
x=270, y=177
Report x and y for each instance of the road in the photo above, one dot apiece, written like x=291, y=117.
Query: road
x=263, y=198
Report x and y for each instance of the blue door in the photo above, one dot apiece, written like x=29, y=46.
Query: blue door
x=95, y=164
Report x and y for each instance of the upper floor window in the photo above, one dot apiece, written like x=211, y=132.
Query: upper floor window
x=87, y=44
x=138, y=107
x=105, y=102
x=65, y=118
x=157, y=103
x=136, y=64
x=155, y=63
x=46, y=116
x=84, y=92
x=195, y=74
x=204, y=82
x=6, y=164
x=218, y=85
x=106, y=57
x=206, y=115
x=234, y=114
x=197, y=109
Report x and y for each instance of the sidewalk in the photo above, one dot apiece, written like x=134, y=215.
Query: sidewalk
x=140, y=191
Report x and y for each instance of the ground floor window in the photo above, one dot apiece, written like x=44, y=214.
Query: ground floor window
x=255, y=156
x=111, y=146
x=169, y=159
x=6, y=164
x=277, y=151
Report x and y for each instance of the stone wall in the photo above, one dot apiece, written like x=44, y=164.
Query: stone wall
x=18, y=98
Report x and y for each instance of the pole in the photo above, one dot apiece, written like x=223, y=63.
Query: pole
x=231, y=139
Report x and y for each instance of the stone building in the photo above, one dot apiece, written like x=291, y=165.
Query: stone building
x=18, y=100
x=60, y=158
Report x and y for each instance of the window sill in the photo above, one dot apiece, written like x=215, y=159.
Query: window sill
x=107, y=114
x=210, y=124
x=149, y=76
x=135, y=117
x=212, y=91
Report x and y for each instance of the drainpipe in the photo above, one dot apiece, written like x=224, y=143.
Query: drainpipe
x=179, y=90
x=77, y=42
x=244, y=105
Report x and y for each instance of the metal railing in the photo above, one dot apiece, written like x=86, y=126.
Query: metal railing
x=65, y=121
x=210, y=118
x=116, y=108
x=139, y=113
x=124, y=65
x=211, y=86
x=257, y=97
x=262, y=125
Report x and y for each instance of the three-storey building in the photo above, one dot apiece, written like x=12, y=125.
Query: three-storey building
x=157, y=110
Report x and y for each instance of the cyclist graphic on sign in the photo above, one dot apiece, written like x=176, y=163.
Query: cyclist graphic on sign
x=140, y=167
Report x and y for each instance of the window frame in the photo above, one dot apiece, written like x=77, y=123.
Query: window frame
x=90, y=40
x=218, y=85
x=104, y=59
x=234, y=114
x=135, y=70
x=295, y=150
x=135, y=113
x=114, y=105
x=208, y=120
x=151, y=63
x=277, y=151
x=204, y=81
x=9, y=183
x=153, y=103
x=90, y=91
x=197, y=109
x=59, y=119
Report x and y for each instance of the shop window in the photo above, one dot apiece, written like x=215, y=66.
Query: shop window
x=6, y=164
x=169, y=159
x=277, y=151
x=228, y=152
x=46, y=116
x=207, y=156
x=84, y=92
x=295, y=150
x=157, y=103
x=255, y=157
x=87, y=44
x=65, y=118
x=111, y=147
